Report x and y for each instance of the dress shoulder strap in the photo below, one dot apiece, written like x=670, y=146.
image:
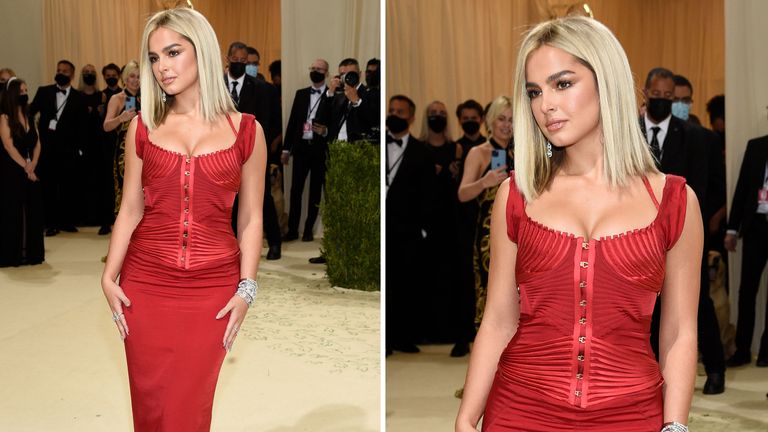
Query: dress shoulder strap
x=231, y=124
x=515, y=208
x=246, y=136
x=650, y=192
x=673, y=208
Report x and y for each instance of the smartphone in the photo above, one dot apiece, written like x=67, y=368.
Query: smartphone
x=130, y=102
x=498, y=159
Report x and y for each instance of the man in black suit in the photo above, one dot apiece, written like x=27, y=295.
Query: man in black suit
x=409, y=177
x=687, y=150
x=63, y=114
x=354, y=109
x=261, y=100
x=749, y=220
x=306, y=142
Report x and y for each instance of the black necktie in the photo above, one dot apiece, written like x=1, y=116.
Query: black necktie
x=391, y=139
x=313, y=91
x=234, y=92
x=655, y=148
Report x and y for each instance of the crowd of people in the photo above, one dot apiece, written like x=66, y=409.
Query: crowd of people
x=64, y=151
x=441, y=190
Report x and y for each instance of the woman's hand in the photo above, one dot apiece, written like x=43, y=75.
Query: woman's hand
x=127, y=115
x=30, y=167
x=236, y=308
x=116, y=299
x=494, y=177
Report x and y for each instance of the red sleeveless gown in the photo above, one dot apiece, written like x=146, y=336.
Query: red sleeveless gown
x=581, y=359
x=182, y=266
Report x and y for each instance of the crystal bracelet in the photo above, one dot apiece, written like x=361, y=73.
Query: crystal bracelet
x=246, y=290
x=674, y=427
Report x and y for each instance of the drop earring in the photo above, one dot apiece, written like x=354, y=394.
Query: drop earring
x=549, y=149
x=163, y=97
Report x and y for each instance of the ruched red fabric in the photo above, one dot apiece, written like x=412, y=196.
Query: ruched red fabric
x=581, y=358
x=182, y=266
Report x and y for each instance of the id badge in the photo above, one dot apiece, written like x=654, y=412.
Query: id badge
x=52, y=125
x=762, y=200
x=307, y=131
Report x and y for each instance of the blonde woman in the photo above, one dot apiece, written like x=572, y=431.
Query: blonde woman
x=121, y=109
x=480, y=182
x=185, y=280
x=584, y=237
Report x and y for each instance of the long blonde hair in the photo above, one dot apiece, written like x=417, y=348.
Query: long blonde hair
x=214, y=98
x=625, y=151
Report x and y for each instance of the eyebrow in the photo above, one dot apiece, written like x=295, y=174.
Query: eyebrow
x=552, y=77
x=173, y=45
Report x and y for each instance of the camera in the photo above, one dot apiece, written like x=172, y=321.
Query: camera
x=350, y=78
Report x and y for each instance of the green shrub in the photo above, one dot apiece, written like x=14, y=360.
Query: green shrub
x=351, y=216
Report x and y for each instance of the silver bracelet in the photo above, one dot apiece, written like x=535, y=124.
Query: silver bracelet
x=246, y=290
x=673, y=427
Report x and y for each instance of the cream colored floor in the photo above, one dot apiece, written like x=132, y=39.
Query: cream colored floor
x=307, y=357
x=420, y=395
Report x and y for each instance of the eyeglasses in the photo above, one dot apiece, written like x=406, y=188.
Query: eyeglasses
x=314, y=69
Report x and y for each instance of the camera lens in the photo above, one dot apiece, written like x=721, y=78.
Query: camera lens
x=352, y=78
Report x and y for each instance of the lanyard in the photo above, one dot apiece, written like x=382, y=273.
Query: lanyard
x=313, y=108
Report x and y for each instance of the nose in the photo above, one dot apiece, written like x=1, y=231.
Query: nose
x=548, y=102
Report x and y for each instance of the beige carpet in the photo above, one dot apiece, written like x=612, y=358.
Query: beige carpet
x=420, y=390
x=307, y=357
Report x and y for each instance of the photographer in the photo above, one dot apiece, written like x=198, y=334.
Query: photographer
x=353, y=106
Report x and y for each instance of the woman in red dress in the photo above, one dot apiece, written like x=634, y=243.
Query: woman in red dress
x=185, y=280
x=588, y=234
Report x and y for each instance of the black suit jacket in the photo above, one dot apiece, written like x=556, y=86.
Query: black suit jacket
x=692, y=152
x=299, y=110
x=262, y=100
x=408, y=197
x=69, y=135
x=362, y=121
x=751, y=178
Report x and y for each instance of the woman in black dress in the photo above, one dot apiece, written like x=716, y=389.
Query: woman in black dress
x=97, y=185
x=21, y=218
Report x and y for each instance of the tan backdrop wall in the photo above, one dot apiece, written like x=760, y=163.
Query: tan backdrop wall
x=101, y=32
x=452, y=50
x=21, y=31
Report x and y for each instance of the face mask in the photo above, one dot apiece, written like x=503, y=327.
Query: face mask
x=316, y=77
x=659, y=108
x=372, y=78
x=89, y=79
x=437, y=123
x=61, y=79
x=396, y=124
x=112, y=82
x=236, y=70
x=681, y=110
x=252, y=70
x=470, y=127
x=23, y=99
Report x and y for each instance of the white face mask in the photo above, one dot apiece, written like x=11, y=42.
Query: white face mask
x=681, y=110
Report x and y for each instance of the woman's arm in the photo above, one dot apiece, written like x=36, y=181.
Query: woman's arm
x=249, y=231
x=500, y=319
x=5, y=135
x=679, y=305
x=112, y=119
x=471, y=183
x=131, y=212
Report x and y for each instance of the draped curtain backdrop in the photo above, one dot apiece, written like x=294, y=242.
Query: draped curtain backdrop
x=101, y=32
x=453, y=50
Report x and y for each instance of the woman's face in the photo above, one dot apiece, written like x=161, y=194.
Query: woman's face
x=501, y=127
x=564, y=97
x=437, y=109
x=174, y=63
x=88, y=69
x=23, y=89
x=133, y=81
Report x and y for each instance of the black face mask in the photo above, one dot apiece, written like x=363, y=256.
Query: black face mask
x=372, y=78
x=89, y=79
x=396, y=124
x=659, y=108
x=316, y=77
x=61, y=79
x=236, y=69
x=23, y=100
x=112, y=82
x=437, y=123
x=470, y=127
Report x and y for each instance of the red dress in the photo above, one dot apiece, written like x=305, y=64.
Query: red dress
x=581, y=359
x=182, y=266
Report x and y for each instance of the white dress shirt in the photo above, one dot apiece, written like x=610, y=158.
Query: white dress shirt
x=239, y=82
x=395, y=158
x=664, y=125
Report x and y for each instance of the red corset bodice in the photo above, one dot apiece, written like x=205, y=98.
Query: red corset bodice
x=586, y=304
x=188, y=201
